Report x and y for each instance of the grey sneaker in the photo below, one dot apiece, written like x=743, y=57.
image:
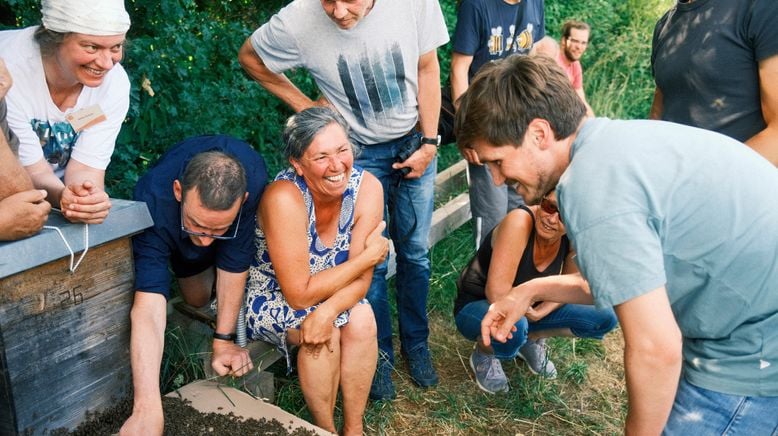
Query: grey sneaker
x=488, y=372
x=535, y=353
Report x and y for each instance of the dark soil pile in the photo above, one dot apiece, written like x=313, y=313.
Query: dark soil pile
x=182, y=419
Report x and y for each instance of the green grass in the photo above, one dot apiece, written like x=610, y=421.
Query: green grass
x=580, y=401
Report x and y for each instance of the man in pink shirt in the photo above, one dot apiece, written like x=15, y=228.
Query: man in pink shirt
x=575, y=39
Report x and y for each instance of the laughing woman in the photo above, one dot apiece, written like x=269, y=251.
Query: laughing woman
x=69, y=99
x=318, y=239
x=528, y=248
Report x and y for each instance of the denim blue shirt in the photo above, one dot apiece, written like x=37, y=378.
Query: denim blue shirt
x=155, y=247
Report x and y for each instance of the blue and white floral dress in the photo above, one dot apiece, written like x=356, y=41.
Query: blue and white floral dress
x=268, y=315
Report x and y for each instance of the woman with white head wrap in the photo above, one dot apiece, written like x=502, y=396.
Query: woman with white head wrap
x=69, y=99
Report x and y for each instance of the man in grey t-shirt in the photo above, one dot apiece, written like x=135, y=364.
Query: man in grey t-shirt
x=683, y=243
x=375, y=62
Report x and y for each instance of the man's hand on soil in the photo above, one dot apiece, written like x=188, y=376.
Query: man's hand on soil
x=229, y=358
x=149, y=423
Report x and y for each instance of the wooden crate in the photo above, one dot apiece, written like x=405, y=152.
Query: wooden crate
x=64, y=337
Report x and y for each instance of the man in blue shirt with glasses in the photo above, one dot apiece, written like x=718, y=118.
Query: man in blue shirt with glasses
x=203, y=196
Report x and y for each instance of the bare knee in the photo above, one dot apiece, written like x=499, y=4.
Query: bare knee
x=197, y=289
x=361, y=325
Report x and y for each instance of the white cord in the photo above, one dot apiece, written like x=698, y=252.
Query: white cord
x=72, y=253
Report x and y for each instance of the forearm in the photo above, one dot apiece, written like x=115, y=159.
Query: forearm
x=460, y=65
x=146, y=345
x=582, y=96
x=429, y=94
x=277, y=84
x=7, y=222
x=43, y=178
x=14, y=177
x=652, y=360
x=651, y=385
x=347, y=297
x=230, y=289
x=77, y=173
x=766, y=143
x=324, y=284
x=565, y=288
x=657, y=105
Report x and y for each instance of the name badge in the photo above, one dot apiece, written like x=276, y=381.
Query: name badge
x=86, y=117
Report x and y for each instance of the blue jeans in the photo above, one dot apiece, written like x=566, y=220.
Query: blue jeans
x=408, y=213
x=488, y=203
x=583, y=320
x=704, y=412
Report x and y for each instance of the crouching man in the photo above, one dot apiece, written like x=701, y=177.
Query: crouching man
x=202, y=195
x=675, y=227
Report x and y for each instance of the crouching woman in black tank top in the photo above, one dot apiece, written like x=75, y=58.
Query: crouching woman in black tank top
x=530, y=243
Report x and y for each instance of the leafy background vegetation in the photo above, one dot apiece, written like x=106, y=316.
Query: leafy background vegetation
x=181, y=58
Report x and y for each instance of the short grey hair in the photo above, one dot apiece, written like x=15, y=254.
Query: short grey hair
x=219, y=178
x=48, y=40
x=303, y=127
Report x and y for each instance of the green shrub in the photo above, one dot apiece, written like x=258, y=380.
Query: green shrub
x=186, y=53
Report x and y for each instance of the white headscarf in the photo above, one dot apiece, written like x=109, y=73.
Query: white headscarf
x=90, y=17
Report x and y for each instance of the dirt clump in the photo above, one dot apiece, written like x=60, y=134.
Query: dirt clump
x=184, y=420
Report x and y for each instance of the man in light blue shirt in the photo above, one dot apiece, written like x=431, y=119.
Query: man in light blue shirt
x=680, y=240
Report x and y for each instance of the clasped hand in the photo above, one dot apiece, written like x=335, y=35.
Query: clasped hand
x=376, y=245
x=85, y=203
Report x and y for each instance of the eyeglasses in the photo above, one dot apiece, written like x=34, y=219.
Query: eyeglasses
x=550, y=208
x=577, y=41
x=210, y=235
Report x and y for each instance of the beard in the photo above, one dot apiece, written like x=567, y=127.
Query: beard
x=570, y=56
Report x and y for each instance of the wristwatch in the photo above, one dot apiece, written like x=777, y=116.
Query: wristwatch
x=225, y=336
x=434, y=141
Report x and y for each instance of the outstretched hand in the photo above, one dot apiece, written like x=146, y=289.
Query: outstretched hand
x=499, y=321
x=85, y=203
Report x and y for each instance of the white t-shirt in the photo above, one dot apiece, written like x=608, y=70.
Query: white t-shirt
x=41, y=127
x=370, y=72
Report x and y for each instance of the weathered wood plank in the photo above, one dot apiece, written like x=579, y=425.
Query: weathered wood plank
x=451, y=181
x=449, y=217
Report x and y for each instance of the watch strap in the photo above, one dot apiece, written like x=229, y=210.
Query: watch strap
x=225, y=336
x=434, y=140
